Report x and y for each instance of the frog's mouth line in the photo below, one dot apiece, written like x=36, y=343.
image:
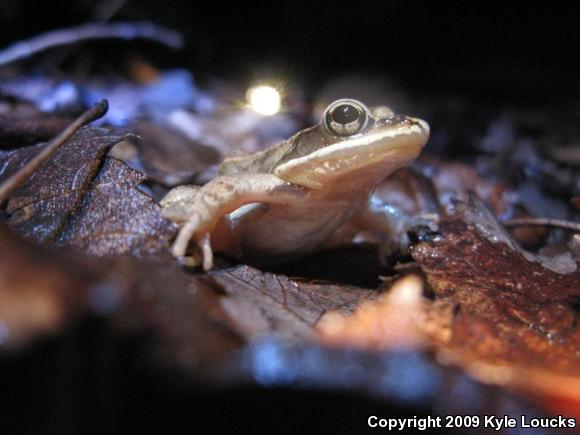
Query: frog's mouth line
x=400, y=144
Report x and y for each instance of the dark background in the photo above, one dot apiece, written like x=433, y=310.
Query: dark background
x=512, y=50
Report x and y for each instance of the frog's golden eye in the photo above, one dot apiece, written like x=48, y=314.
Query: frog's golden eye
x=345, y=117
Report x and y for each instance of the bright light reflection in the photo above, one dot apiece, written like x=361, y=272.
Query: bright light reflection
x=264, y=100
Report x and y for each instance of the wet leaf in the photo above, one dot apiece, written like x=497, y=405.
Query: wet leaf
x=41, y=207
x=499, y=313
x=432, y=184
x=44, y=291
x=40, y=292
x=116, y=218
x=392, y=321
x=82, y=199
x=528, y=311
x=182, y=310
x=169, y=157
x=264, y=303
x=517, y=321
x=29, y=126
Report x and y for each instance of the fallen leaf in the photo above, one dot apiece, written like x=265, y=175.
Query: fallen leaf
x=391, y=321
x=40, y=292
x=261, y=303
x=181, y=309
x=42, y=205
x=45, y=291
x=456, y=181
x=22, y=125
x=116, y=218
x=169, y=157
x=501, y=316
x=517, y=322
x=82, y=199
x=432, y=185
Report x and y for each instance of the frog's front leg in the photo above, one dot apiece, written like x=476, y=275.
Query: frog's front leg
x=199, y=209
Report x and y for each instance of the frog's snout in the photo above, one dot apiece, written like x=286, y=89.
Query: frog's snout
x=424, y=126
x=403, y=121
x=397, y=121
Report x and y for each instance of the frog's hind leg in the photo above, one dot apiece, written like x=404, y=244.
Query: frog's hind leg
x=187, y=233
x=389, y=225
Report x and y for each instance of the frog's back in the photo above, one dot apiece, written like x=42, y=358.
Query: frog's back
x=261, y=162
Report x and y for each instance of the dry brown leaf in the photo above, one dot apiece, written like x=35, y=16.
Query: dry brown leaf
x=517, y=322
x=528, y=311
x=392, y=321
x=504, y=319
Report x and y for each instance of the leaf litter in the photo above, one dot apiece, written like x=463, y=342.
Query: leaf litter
x=100, y=249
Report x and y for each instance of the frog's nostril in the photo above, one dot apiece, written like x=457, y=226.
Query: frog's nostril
x=398, y=119
x=393, y=120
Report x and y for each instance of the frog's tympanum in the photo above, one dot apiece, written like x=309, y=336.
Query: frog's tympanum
x=289, y=199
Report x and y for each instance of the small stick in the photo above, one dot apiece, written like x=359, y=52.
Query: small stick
x=560, y=223
x=17, y=179
x=56, y=38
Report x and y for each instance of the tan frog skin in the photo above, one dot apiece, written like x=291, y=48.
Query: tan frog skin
x=300, y=190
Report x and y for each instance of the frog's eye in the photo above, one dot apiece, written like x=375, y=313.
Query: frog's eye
x=345, y=117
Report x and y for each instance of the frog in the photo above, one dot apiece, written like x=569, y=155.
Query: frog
x=287, y=201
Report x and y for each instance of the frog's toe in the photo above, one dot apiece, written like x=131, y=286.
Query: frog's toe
x=190, y=261
x=180, y=245
x=188, y=232
x=206, y=251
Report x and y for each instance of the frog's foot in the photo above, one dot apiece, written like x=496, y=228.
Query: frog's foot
x=202, y=239
x=403, y=228
x=399, y=239
x=200, y=210
x=181, y=205
x=391, y=226
x=392, y=222
x=193, y=260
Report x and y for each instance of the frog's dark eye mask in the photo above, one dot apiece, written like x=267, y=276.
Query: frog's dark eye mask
x=345, y=117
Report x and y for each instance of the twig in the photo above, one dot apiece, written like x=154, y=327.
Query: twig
x=84, y=32
x=568, y=225
x=16, y=180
